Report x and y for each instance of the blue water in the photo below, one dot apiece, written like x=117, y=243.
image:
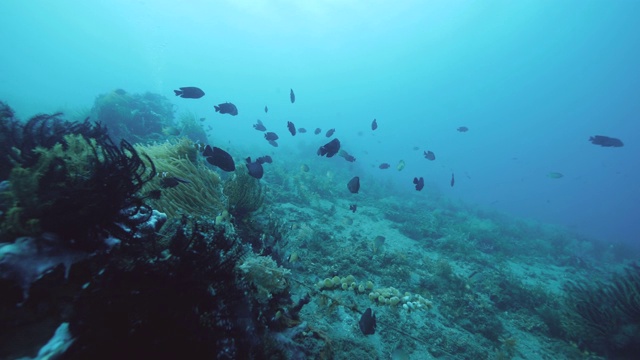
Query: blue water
x=531, y=79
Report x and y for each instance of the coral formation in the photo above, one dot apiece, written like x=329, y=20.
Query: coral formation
x=265, y=275
x=244, y=193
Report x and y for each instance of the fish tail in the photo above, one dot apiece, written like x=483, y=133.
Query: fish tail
x=217, y=108
x=178, y=92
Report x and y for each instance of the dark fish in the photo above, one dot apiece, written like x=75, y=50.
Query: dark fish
x=463, y=129
x=347, y=156
x=605, y=141
x=353, y=207
x=368, y=322
x=330, y=132
x=172, y=181
x=259, y=126
x=292, y=128
x=354, y=185
x=189, y=92
x=453, y=180
x=317, y=131
x=292, y=96
x=329, y=149
x=154, y=194
x=218, y=157
x=266, y=109
x=374, y=124
x=255, y=168
x=302, y=130
x=203, y=119
x=429, y=155
x=264, y=159
x=273, y=143
x=271, y=136
x=384, y=166
x=419, y=183
x=227, y=108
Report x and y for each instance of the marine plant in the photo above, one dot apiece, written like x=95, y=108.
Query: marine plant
x=244, y=193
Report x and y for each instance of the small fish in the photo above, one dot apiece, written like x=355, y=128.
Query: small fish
x=255, y=168
x=172, y=181
x=227, y=108
x=259, y=126
x=273, y=143
x=266, y=109
x=220, y=158
x=292, y=128
x=304, y=168
x=317, y=131
x=419, y=183
x=555, y=175
x=463, y=129
x=354, y=185
x=605, y=141
x=415, y=148
x=353, y=207
x=330, y=132
x=384, y=166
x=302, y=130
x=378, y=242
x=189, y=92
x=401, y=165
x=293, y=257
x=329, y=149
x=292, y=96
x=203, y=119
x=429, y=155
x=453, y=180
x=271, y=136
x=374, y=124
x=264, y=159
x=347, y=156
x=154, y=194
x=367, y=322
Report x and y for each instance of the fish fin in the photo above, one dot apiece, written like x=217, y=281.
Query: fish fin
x=217, y=108
x=178, y=92
x=248, y=160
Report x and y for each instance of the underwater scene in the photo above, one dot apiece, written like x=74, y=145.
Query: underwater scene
x=322, y=179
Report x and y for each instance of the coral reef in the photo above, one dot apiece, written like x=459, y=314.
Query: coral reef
x=265, y=275
x=244, y=193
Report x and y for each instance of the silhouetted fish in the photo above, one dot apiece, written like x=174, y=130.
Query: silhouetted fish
x=329, y=149
x=227, y=108
x=463, y=129
x=429, y=155
x=354, y=185
x=291, y=127
x=302, y=130
x=271, y=136
x=266, y=109
x=273, y=143
x=605, y=141
x=189, y=92
x=374, y=124
x=330, y=132
x=453, y=180
x=347, y=156
x=317, y=131
x=259, y=126
x=292, y=96
x=353, y=207
x=419, y=183
x=367, y=322
x=172, y=181
x=264, y=159
x=384, y=166
x=255, y=168
x=218, y=157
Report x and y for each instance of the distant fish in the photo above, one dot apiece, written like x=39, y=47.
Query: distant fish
x=317, y=131
x=273, y=143
x=304, y=168
x=605, y=141
x=264, y=159
x=347, y=156
x=291, y=127
x=292, y=96
x=354, y=185
x=374, y=124
x=419, y=183
x=367, y=322
x=271, y=136
x=259, y=126
x=302, y=130
x=189, y=92
x=227, y=108
x=353, y=207
x=555, y=175
x=330, y=132
x=329, y=149
x=401, y=165
x=429, y=155
x=218, y=157
x=463, y=129
x=415, y=148
x=453, y=180
x=172, y=181
x=255, y=168
x=384, y=166
x=266, y=109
